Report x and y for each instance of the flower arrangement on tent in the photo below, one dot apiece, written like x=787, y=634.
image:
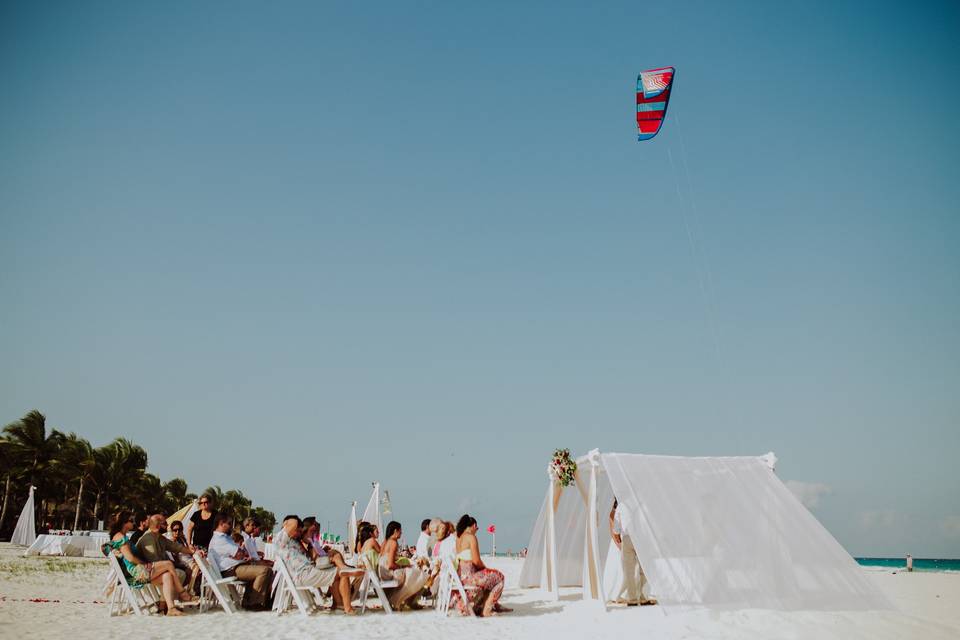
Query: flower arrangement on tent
x=563, y=467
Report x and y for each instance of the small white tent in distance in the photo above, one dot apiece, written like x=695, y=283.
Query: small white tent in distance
x=25, y=533
x=372, y=513
x=720, y=532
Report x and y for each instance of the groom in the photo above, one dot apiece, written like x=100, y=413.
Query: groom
x=634, y=580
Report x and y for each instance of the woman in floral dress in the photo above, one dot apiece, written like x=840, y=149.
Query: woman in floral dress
x=140, y=573
x=473, y=572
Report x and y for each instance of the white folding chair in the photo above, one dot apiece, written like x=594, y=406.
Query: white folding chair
x=372, y=581
x=286, y=590
x=124, y=597
x=213, y=582
x=450, y=582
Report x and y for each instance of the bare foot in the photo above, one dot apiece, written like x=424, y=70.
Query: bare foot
x=174, y=612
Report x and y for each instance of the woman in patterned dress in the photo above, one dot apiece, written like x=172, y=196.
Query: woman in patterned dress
x=473, y=572
x=140, y=573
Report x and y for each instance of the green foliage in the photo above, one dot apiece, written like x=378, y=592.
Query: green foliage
x=78, y=483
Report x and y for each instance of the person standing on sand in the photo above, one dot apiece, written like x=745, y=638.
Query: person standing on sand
x=634, y=579
x=200, y=528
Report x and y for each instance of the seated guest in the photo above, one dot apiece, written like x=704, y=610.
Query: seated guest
x=333, y=577
x=357, y=543
x=153, y=546
x=410, y=578
x=446, y=540
x=423, y=540
x=250, y=533
x=138, y=572
x=183, y=561
x=232, y=560
x=367, y=538
x=141, y=528
x=473, y=572
x=310, y=538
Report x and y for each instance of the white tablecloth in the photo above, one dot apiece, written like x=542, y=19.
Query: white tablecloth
x=47, y=545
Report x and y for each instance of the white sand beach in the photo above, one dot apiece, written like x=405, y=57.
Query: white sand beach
x=59, y=598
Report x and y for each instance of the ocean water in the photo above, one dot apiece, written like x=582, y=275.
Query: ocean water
x=919, y=564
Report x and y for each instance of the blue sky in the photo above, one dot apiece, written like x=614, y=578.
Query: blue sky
x=296, y=248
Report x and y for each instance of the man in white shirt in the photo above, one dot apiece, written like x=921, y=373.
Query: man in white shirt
x=233, y=560
x=250, y=532
x=423, y=542
x=634, y=579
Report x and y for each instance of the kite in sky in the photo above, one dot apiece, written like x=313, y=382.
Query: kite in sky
x=653, y=94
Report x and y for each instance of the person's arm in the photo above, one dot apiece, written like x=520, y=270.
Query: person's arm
x=188, y=531
x=128, y=553
x=225, y=547
x=614, y=534
x=475, y=553
x=174, y=547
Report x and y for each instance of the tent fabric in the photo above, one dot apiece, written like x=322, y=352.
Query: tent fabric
x=352, y=527
x=570, y=518
x=183, y=514
x=371, y=513
x=724, y=533
x=25, y=533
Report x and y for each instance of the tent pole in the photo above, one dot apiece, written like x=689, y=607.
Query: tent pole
x=550, y=548
x=593, y=558
x=590, y=582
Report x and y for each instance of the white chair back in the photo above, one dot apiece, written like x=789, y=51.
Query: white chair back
x=213, y=582
x=449, y=581
x=371, y=580
x=287, y=590
x=124, y=596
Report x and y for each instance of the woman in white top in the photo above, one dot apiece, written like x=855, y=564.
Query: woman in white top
x=392, y=567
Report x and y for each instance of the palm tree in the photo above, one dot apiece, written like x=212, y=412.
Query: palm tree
x=33, y=451
x=6, y=463
x=78, y=462
x=124, y=465
x=175, y=494
x=236, y=504
x=146, y=494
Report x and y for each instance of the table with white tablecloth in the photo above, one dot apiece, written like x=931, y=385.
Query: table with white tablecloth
x=75, y=545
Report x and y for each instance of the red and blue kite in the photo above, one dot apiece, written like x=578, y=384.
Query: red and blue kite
x=653, y=94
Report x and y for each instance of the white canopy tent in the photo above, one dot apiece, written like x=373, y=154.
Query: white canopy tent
x=25, y=533
x=352, y=527
x=722, y=532
x=372, y=513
